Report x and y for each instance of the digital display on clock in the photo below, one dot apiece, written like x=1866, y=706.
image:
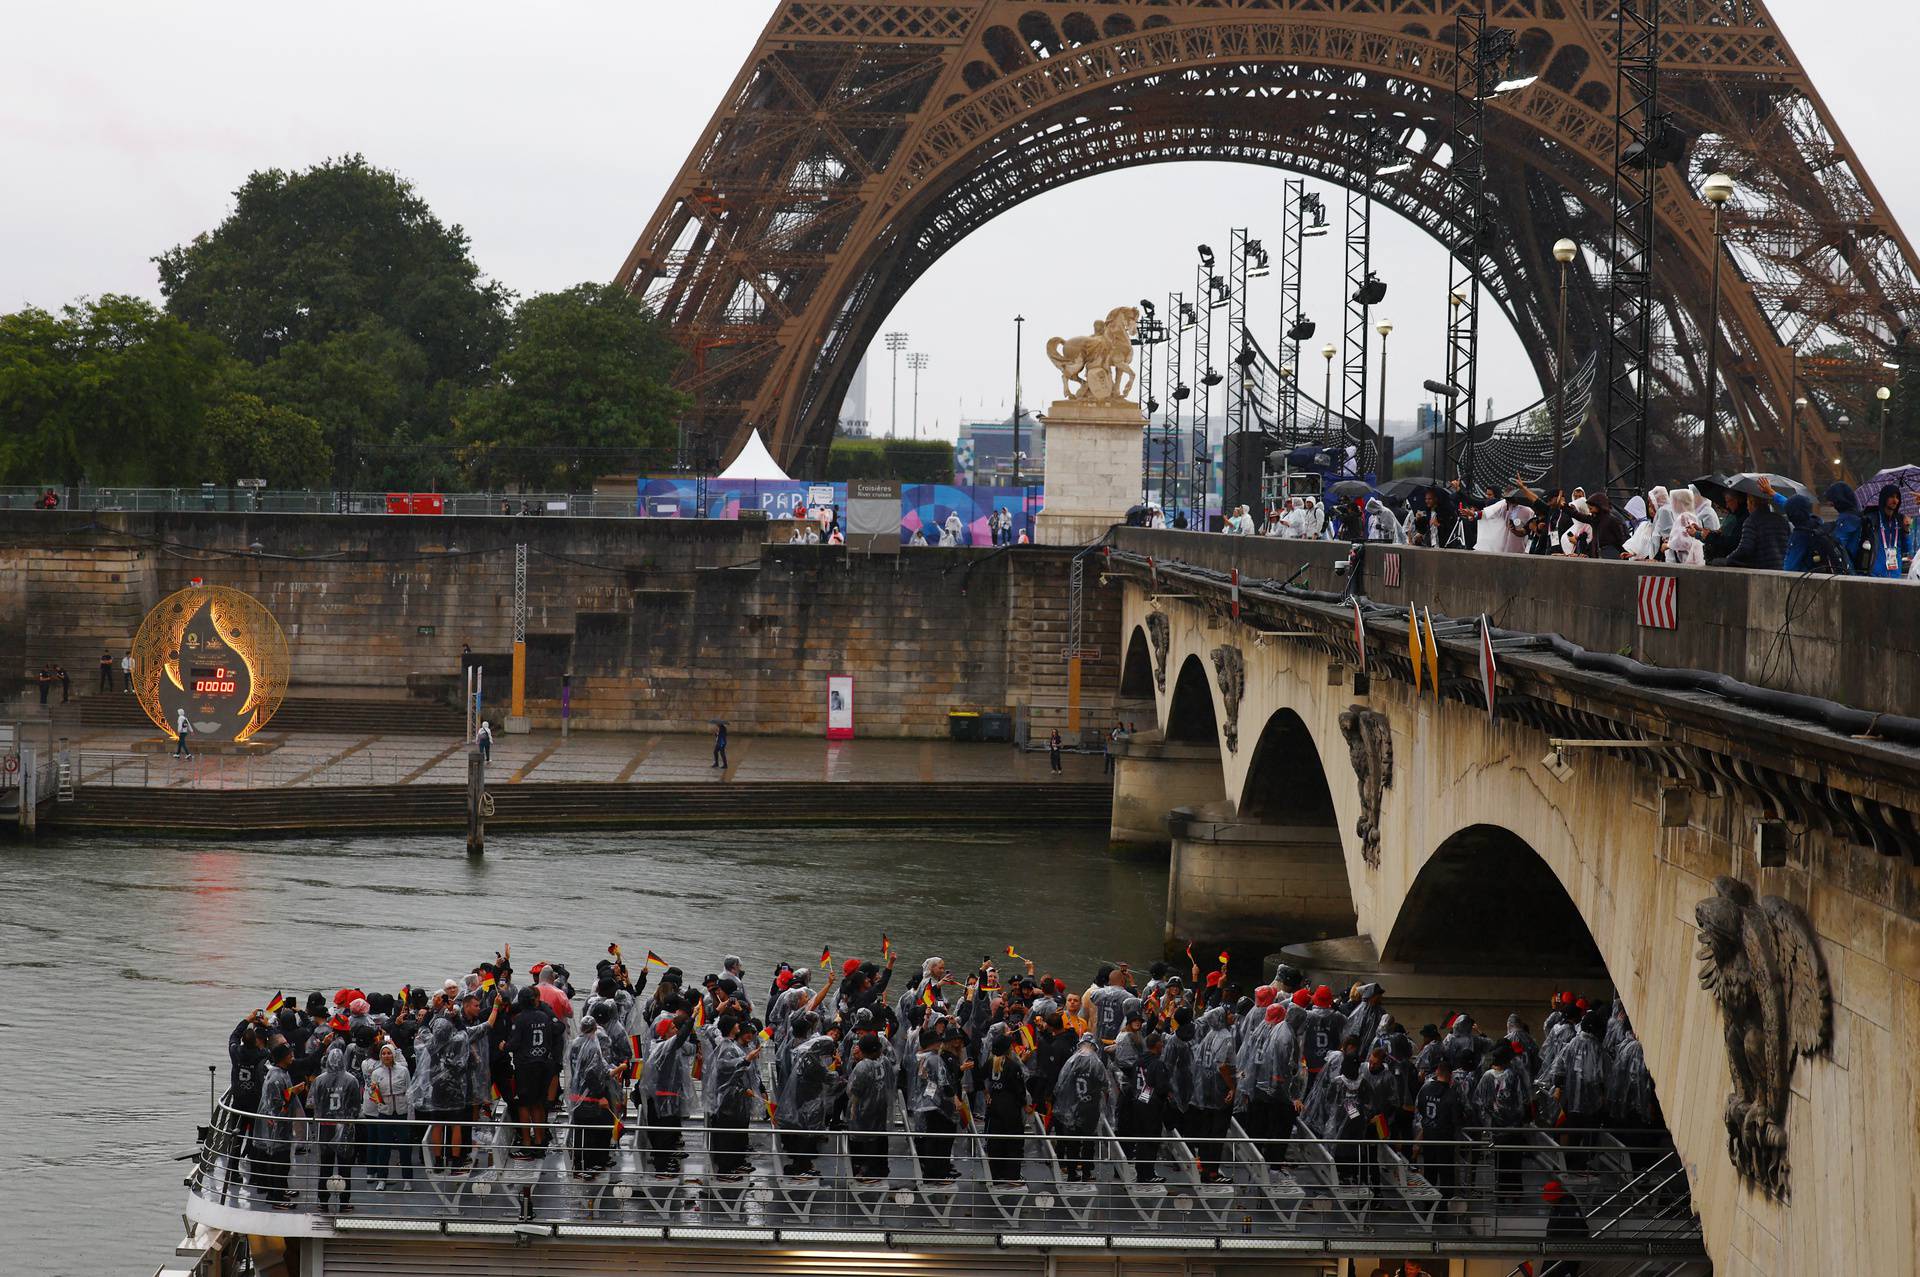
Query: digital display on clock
x=215, y=680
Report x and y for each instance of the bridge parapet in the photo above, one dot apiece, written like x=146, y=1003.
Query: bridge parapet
x=1846, y=639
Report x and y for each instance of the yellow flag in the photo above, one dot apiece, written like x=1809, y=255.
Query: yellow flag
x=1433, y=655
x=1414, y=653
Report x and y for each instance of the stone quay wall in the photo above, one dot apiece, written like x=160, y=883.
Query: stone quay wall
x=664, y=624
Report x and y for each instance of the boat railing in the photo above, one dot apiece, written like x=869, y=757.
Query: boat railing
x=1566, y=1193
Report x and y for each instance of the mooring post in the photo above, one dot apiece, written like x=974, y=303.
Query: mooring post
x=476, y=796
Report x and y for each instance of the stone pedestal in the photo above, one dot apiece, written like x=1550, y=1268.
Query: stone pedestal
x=1152, y=776
x=1093, y=468
x=1243, y=882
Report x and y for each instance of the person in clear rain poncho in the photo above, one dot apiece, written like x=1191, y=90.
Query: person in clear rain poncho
x=732, y=1082
x=596, y=1101
x=871, y=1087
x=810, y=1095
x=1213, y=1088
x=1578, y=1077
x=1363, y=1022
x=270, y=1148
x=934, y=1099
x=336, y=1094
x=1079, y=1100
x=666, y=1081
x=440, y=1090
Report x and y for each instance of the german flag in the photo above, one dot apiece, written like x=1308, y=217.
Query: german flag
x=927, y=995
x=494, y=1091
x=1223, y=957
x=766, y=1033
x=279, y=1000
x=619, y=1129
x=655, y=960
x=826, y=958
x=1026, y=1036
x=633, y=1040
x=1379, y=1124
x=486, y=982
x=769, y=1104
x=886, y=946
x=700, y=1014
x=1011, y=954
x=406, y=991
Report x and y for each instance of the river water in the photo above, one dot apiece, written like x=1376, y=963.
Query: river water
x=127, y=962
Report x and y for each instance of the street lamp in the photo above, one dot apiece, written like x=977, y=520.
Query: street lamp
x=1718, y=189
x=1883, y=394
x=917, y=362
x=896, y=342
x=1384, y=327
x=1327, y=352
x=1019, y=328
x=1564, y=251
x=1799, y=406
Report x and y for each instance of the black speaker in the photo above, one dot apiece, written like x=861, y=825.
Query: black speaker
x=1244, y=457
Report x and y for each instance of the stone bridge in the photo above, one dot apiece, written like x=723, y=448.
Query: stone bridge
x=1303, y=800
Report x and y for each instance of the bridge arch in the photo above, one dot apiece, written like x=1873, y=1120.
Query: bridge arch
x=1191, y=716
x=1136, y=666
x=862, y=141
x=1286, y=782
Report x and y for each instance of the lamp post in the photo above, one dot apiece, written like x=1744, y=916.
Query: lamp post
x=1384, y=327
x=1718, y=189
x=1564, y=251
x=1327, y=352
x=896, y=342
x=918, y=363
x=1799, y=452
x=1883, y=394
x=1019, y=328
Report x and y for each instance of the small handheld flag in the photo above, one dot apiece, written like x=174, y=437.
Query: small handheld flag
x=927, y=995
x=279, y=1000
x=1189, y=950
x=1011, y=954
x=766, y=1033
x=406, y=992
x=486, y=982
x=1432, y=645
x=619, y=1129
x=1379, y=1124
x=613, y=949
x=1026, y=1036
x=1223, y=957
x=655, y=960
x=826, y=958
x=700, y=1014
x=886, y=946
x=633, y=1040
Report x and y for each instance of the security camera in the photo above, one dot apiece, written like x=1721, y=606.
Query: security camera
x=1556, y=764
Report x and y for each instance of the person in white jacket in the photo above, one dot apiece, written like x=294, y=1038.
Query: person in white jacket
x=387, y=1108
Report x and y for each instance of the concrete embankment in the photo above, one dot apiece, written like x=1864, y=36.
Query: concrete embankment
x=534, y=807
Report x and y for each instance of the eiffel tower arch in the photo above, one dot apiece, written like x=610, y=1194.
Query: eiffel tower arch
x=862, y=139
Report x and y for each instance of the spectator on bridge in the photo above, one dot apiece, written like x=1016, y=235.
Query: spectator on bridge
x=952, y=532
x=1382, y=525
x=1273, y=527
x=1763, y=532
x=1848, y=528
x=1810, y=547
x=1887, y=538
x=1609, y=530
x=1503, y=523
x=1731, y=514
x=1435, y=519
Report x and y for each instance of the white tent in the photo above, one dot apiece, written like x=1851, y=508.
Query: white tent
x=755, y=462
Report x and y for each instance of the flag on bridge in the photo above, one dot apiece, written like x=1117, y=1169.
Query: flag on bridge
x=1432, y=646
x=1489, y=671
x=1359, y=637
x=1414, y=654
x=1233, y=584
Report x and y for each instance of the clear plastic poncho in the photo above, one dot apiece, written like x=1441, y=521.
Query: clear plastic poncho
x=1214, y=1048
x=812, y=1086
x=336, y=1095
x=666, y=1077
x=1080, y=1094
x=871, y=1086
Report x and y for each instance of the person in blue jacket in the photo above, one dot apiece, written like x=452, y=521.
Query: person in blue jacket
x=1846, y=527
x=1888, y=540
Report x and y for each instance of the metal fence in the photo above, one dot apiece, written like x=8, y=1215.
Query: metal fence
x=595, y=505
x=164, y=770
x=1507, y=1192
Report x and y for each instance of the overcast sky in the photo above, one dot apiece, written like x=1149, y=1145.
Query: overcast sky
x=551, y=131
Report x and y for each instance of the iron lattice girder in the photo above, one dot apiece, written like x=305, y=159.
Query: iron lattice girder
x=969, y=79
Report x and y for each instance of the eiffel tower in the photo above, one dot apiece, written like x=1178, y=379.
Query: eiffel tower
x=863, y=139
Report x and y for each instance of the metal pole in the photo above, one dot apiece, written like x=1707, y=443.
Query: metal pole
x=1385, y=465
x=1560, y=391
x=517, y=707
x=1713, y=351
x=1326, y=395
x=1019, y=328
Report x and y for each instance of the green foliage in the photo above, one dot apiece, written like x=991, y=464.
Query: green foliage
x=305, y=256
x=244, y=437
x=110, y=391
x=908, y=460
x=586, y=368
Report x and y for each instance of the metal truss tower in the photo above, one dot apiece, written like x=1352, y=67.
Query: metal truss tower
x=1636, y=172
x=1210, y=288
x=1287, y=411
x=1356, y=335
x=1483, y=50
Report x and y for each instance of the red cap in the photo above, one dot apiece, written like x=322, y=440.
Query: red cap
x=1263, y=996
x=1323, y=996
x=848, y=967
x=1302, y=998
x=1553, y=1191
x=1567, y=997
x=1213, y=978
x=663, y=1026
x=784, y=979
x=1275, y=1014
x=340, y=1024
x=1579, y=1004
x=345, y=997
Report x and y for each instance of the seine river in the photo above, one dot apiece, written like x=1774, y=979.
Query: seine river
x=128, y=962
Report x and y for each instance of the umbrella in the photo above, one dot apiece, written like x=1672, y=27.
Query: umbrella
x=1785, y=487
x=1352, y=489
x=1403, y=489
x=1905, y=478
x=1711, y=485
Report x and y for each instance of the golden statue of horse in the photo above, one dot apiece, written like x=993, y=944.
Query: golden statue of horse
x=1100, y=365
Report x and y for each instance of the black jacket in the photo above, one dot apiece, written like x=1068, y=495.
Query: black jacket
x=1763, y=540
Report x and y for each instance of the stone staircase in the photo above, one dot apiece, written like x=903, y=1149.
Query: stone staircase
x=296, y=714
x=433, y=808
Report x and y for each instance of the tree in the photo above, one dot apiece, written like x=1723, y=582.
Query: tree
x=244, y=437
x=110, y=391
x=305, y=256
x=583, y=388
x=369, y=389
